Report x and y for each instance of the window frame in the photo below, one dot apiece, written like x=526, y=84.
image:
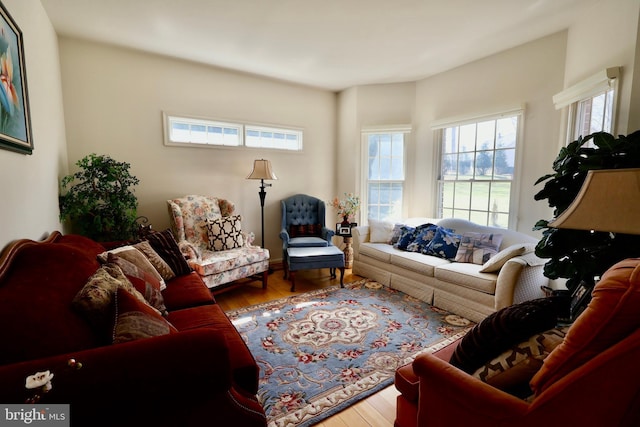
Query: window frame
x=404, y=129
x=241, y=130
x=439, y=128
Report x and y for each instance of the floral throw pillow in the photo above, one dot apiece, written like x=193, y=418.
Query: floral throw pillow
x=477, y=248
x=225, y=233
x=444, y=244
x=135, y=320
x=422, y=238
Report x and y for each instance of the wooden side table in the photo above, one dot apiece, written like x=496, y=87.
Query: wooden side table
x=348, y=251
x=347, y=239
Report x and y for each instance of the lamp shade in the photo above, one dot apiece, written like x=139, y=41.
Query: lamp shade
x=262, y=170
x=609, y=200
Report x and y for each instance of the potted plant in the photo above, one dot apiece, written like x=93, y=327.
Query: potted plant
x=577, y=255
x=98, y=200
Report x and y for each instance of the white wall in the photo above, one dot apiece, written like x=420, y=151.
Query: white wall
x=607, y=36
x=114, y=99
x=527, y=75
x=29, y=190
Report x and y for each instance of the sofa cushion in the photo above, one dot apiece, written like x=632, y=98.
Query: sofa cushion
x=379, y=251
x=495, y=263
x=422, y=238
x=414, y=261
x=467, y=275
x=478, y=248
x=186, y=291
x=136, y=320
x=380, y=231
x=611, y=316
x=407, y=233
x=144, y=283
x=512, y=370
x=95, y=298
x=164, y=243
x=136, y=257
x=225, y=233
x=156, y=260
x=444, y=244
x=303, y=230
x=503, y=329
x=214, y=262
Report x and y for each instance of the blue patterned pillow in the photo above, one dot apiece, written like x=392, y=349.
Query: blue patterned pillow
x=422, y=238
x=444, y=244
x=406, y=237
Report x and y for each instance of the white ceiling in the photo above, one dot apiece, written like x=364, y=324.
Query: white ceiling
x=330, y=44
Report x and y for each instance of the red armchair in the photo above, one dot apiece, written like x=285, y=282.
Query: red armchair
x=591, y=379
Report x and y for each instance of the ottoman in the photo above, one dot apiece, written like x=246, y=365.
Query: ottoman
x=314, y=257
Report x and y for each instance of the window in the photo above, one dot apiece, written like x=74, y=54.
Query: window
x=198, y=132
x=385, y=173
x=182, y=130
x=477, y=166
x=591, y=104
x=265, y=137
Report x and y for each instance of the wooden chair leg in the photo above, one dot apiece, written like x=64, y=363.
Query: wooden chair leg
x=265, y=279
x=342, y=277
x=292, y=277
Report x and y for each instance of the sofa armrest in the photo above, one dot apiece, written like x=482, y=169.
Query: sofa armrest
x=519, y=280
x=448, y=396
x=360, y=235
x=193, y=361
x=284, y=235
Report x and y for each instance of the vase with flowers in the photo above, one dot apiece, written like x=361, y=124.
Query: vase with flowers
x=346, y=207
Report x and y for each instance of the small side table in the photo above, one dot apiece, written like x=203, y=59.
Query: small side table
x=347, y=238
x=348, y=251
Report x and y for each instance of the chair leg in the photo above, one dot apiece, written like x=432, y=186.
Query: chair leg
x=265, y=279
x=342, y=277
x=292, y=277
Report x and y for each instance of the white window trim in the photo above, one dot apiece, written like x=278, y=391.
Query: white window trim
x=364, y=166
x=592, y=86
x=438, y=125
x=241, y=127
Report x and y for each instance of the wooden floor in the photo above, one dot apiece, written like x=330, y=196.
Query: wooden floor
x=378, y=410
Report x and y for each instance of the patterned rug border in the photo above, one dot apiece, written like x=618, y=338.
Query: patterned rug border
x=326, y=406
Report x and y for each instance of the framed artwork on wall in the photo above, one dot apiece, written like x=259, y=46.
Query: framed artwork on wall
x=15, y=120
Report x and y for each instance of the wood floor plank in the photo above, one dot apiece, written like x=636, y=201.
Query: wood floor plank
x=378, y=410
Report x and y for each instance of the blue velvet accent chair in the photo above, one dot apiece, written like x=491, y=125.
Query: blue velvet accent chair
x=303, y=223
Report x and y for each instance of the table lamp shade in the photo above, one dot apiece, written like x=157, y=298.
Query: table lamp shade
x=262, y=170
x=609, y=200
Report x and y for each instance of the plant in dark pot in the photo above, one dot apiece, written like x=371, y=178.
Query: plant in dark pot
x=98, y=200
x=580, y=256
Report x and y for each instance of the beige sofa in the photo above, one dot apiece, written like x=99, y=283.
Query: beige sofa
x=459, y=287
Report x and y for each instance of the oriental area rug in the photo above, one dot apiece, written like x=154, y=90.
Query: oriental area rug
x=322, y=351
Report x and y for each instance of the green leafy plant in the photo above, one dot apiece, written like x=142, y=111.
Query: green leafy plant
x=579, y=255
x=98, y=200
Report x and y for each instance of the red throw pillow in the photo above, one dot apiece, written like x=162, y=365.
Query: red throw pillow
x=611, y=316
x=136, y=320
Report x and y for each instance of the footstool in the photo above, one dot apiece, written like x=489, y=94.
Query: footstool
x=314, y=257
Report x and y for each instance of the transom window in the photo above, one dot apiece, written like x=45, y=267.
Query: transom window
x=385, y=173
x=477, y=168
x=199, y=132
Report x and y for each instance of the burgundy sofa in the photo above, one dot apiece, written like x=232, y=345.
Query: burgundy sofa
x=201, y=374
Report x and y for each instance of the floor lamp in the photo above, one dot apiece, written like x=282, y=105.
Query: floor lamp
x=262, y=170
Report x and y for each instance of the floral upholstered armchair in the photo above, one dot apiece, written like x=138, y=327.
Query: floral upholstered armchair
x=210, y=236
x=303, y=223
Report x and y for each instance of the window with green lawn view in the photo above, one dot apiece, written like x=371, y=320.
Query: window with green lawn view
x=477, y=168
x=385, y=174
